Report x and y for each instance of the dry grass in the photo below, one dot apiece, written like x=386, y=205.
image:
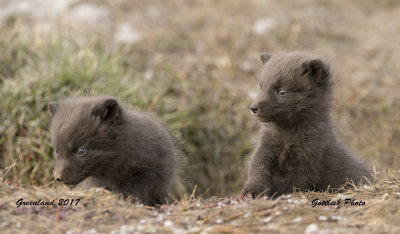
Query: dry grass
x=195, y=64
x=99, y=211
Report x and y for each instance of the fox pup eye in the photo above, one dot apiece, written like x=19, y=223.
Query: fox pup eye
x=281, y=92
x=80, y=152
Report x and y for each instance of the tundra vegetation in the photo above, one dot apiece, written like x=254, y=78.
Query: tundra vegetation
x=195, y=64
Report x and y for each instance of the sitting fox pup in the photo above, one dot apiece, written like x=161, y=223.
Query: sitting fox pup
x=297, y=145
x=99, y=143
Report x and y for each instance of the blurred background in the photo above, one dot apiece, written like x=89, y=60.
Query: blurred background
x=195, y=64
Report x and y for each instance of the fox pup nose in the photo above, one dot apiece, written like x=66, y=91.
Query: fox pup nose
x=254, y=108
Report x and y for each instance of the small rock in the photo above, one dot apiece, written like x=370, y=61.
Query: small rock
x=297, y=220
x=247, y=215
x=322, y=218
x=312, y=229
x=168, y=223
x=268, y=219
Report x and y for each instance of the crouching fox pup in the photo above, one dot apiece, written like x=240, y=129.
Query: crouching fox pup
x=100, y=143
x=297, y=145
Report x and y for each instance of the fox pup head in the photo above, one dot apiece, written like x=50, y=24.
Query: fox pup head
x=293, y=87
x=83, y=133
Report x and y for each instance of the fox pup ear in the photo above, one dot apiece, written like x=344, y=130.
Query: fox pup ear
x=264, y=57
x=53, y=108
x=108, y=110
x=316, y=70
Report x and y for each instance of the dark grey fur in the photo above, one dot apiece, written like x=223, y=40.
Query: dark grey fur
x=126, y=151
x=297, y=146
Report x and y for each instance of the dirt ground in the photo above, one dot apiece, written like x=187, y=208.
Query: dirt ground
x=370, y=209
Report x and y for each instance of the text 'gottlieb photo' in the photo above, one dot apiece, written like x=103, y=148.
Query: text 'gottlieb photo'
x=200, y=116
